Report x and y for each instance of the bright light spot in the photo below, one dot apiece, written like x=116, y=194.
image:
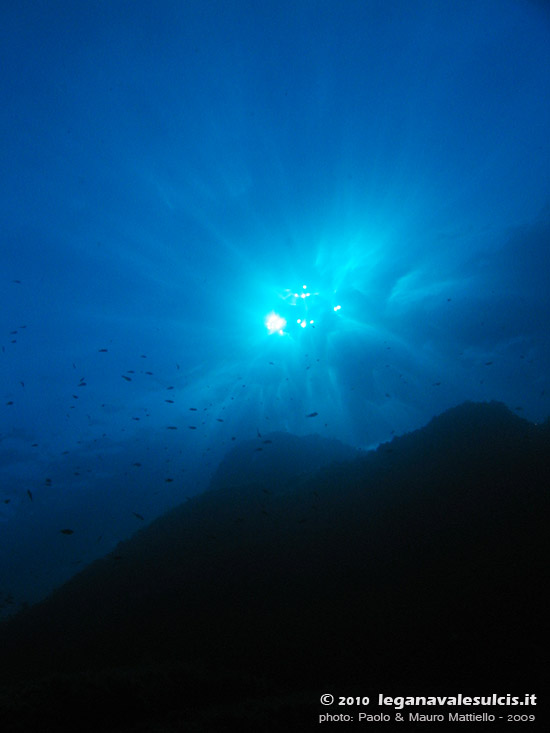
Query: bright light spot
x=299, y=320
x=303, y=295
x=311, y=321
x=274, y=322
x=307, y=295
x=303, y=324
x=304, y=287
x=337, y=307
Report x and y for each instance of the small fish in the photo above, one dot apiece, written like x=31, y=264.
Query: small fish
x=193, y=409
x=168, y=480
x=10, y=402
x=171, y=427
x=488, y=363
x=170, y=401
x=102, y=351
x=66, y=531
x=192, y=427
x=265, y=442
x=149, y=373
x=29, y=493
x=137, y=464
x=128, y=379
x=219, y=419
x=312, y=414
x=137, y=515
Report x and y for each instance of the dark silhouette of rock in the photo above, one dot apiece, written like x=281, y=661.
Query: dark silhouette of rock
x=284, y=457
x=413, y=569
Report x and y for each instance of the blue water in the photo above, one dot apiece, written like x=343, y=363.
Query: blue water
x=173, y=173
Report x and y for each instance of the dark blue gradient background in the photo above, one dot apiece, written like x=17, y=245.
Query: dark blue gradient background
x=172, y=170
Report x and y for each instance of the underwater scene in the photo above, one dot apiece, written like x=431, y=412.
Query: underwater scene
x=274, y=363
